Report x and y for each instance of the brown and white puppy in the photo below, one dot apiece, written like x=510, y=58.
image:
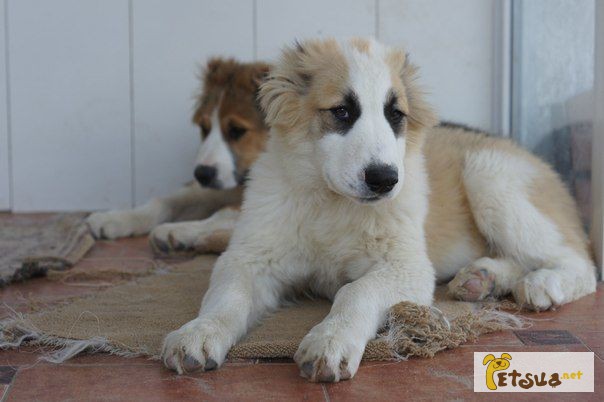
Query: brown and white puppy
x=233, y=133
x=358, y=199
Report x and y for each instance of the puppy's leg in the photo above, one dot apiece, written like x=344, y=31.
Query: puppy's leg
x=486, y=277
x=140, y=220
x=332, y=350
x=545, y=239
x=242, y=288
x=210, y=235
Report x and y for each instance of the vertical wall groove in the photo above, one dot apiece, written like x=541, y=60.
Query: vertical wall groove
x=9, y=144
x=132, y=110
x=377, y=19
x=255, y=29
x=502, y=68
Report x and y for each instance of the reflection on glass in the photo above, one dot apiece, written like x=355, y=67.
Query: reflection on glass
x=552, y=86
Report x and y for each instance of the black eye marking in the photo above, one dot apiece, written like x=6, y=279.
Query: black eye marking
x=235, y=132
x=205, y=130
x=344, y=115
x=340, y=113
x=394, y=116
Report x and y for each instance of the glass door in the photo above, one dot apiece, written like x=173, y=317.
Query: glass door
x=553, y=96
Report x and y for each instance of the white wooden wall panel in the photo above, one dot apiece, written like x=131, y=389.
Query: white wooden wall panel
x=70, y=113
x=171, y=40
x=78, y=68
x=280, y=22
x=4, y=151
x=452, y=42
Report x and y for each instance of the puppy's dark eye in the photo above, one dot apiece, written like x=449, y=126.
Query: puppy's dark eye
x=396, y=116
x=236, y=132
x=340, y=112
x=205, y=130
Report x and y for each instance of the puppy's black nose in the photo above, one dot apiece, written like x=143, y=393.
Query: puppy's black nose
x=205, y=174
x=381, y=178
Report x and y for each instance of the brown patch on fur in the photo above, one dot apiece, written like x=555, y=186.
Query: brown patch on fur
x=410, y=98
x=217, y=242
x=232, y=87
x=314, y=76
x=549, y=195
x=450, y=219
x=327, y=123
x=450, y=214
x=361, y=44
x=308, y=77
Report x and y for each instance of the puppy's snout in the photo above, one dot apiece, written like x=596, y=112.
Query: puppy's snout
x=381, y=178
x=205, y=175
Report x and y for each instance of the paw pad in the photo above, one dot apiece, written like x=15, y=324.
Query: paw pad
x=472, y=285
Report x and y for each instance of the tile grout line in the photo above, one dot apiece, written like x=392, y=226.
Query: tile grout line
x=132, y=117
x=9, y=134
x=587, y=346
x=325, y=393
x=10, y=386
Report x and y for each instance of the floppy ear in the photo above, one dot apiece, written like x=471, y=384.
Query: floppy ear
x=506, y=356
x=420, y=114
x=280, y=92
x=260, y=73
x=214, y=74
x=488, y=358
x=218, y=71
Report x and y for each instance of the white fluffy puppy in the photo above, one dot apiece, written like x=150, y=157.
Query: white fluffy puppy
x=349, y=203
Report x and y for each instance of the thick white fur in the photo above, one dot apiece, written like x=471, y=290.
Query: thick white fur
x=296, y=233
x=304, y=226
x=214, y=151
x=538, y=266
x=343, y=158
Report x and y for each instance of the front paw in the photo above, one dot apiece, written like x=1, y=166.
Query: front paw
x=541, y=290
x=327, y=354
x=200, y=237
x=113, y=224
x=199, y=344
x=472, y=283
x=171, y=237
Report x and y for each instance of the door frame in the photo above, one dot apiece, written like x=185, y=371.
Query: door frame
x=597, y=157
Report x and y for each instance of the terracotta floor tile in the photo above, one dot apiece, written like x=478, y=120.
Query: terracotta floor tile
x=534, y=348
x=584, y=314
x=6, y=374
x=29, y=356
x=546, y=337
x=23, y=356
x=3, y=389
x=503, y=338
x=278, y=382
x=594, y=341
x=133, y=247
x=101, y=377
x=449, y=376
x=25, y=218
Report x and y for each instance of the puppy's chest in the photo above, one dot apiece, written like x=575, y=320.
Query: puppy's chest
x=336, y=241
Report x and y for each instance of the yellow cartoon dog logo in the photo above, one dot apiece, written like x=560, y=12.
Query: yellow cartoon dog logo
x=494, y=365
